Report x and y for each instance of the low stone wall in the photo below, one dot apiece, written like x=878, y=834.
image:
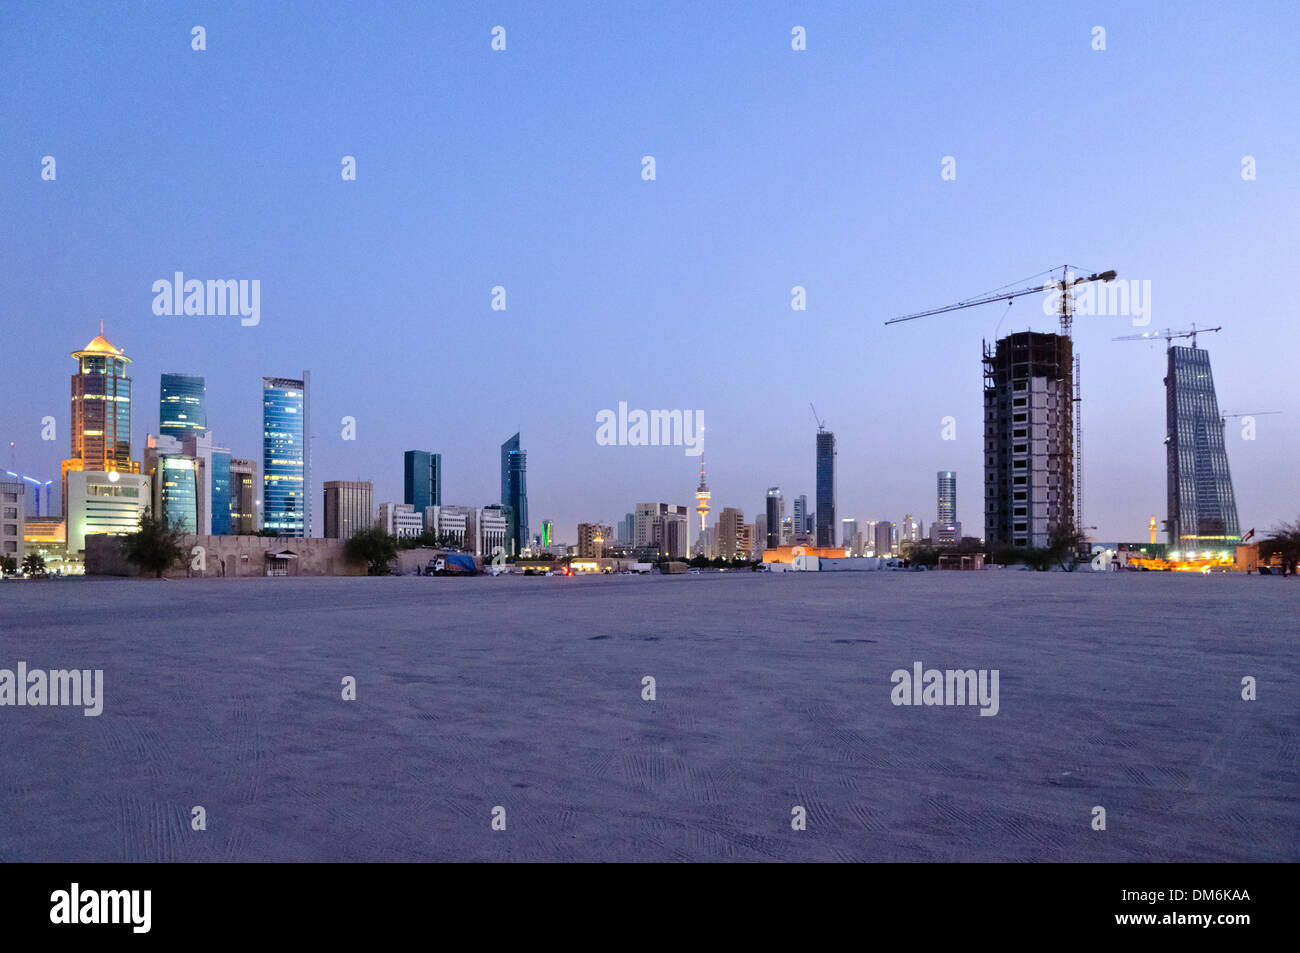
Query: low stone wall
x=232, y=557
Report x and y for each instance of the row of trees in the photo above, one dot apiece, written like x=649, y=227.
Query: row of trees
x=33, y=565
x=156, y=546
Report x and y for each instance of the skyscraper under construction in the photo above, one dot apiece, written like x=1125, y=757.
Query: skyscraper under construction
x=1028, y=445
x=1202, y=507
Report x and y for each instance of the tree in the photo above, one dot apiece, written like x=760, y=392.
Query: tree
x=922, y=555
x=1039, y=560
x=1004, y=554
x=374, y=547
x=1284, y=543
x=33, y=564
x=1064, y=544
x=154, y=546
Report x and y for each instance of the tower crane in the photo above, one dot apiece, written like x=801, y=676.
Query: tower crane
x=1256, y=413
x=821, y=424
x=1064, y=287
x=1168, y=335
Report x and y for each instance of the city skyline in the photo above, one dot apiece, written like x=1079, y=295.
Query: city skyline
x=869, y=231
x=194, y=389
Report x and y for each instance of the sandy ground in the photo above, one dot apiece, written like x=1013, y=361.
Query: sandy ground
x=1119, y=690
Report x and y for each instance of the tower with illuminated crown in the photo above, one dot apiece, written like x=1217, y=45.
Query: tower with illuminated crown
x=101, y=412
x=702, y=496
x=103, y=491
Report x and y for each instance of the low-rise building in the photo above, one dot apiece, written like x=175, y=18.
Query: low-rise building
x=13, y=517
x=400, y=520
x=99, y=502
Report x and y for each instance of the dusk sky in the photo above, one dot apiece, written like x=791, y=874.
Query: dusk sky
x=774, y=168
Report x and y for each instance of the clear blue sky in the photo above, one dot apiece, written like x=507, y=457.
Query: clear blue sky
x=775, y=168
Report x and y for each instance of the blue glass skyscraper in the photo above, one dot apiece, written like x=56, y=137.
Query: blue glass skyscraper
x=182, y=406
x=514, y=493
x=422, y=479
x=220, y=492
x=286, y=456
x=825, y=488
x=1202, y=505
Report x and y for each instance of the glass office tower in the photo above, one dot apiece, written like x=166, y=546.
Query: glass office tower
x=825, y=488
x=178, y=490
x=1202, y=506
x=286, y=456
x=514, y=493
x=947, y=498
x=182, y=406
x=221, y=498
x=422, y=479
x=775, y=506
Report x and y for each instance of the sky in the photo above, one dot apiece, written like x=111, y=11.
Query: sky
x=774, y=168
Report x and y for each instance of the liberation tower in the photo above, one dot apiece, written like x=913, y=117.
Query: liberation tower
x=702, y=496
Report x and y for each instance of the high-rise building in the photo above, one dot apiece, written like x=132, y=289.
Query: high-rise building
x=627, y=530
x=177, y=477
x=775, y=507
x=825, y=488
x=422, y=479
x=349, y=507
x=13, y=518
x=1028, y=444
x=592, y=539
x=759, y=540
x=664, y=526
x=548, y=534
x=731, y=542
x=514, y=493
x=672, y=530
x=910, y=530
x=222, y=493
x=801, y=513
x=1202, y=507
x=947, y=481
x=848, y=530
x=243, y=497
x=182, y=406
x=884, y=538
x=286, y=455
x=946, y=530
x=101, y=413
x=102, y=489
x=183, y=417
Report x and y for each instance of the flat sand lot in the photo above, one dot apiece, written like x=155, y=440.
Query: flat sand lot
x=1118, y=690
